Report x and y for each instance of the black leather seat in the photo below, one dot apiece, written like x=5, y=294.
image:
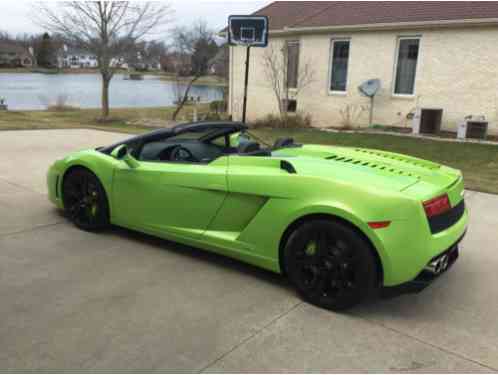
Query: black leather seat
x=252, y=149
x=248, y=147
x=283, y=142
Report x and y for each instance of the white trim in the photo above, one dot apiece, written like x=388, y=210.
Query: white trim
x=389, y=26
x=338, y=93
x=404, y=96
x=384, y=26
x=331, y=58
x=396, y=59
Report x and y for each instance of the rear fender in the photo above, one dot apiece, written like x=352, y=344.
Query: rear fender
x=345, y=216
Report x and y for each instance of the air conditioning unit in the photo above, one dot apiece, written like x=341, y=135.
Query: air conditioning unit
x=475, y=127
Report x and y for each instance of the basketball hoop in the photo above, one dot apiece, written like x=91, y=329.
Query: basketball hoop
x=248, y=31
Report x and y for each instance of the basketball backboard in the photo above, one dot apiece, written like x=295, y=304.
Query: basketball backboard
x=248, y=31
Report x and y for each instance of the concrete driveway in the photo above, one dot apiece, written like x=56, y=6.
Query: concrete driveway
x=71, y=300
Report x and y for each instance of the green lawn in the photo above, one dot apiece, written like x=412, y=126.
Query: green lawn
x=479, y=162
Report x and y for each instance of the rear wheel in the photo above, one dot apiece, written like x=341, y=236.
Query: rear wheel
x=330, y=265
x=85, y=200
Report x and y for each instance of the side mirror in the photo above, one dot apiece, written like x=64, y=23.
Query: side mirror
x=121, y=153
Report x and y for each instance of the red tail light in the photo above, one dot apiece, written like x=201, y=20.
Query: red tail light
x=437, y=206
x=379, y=224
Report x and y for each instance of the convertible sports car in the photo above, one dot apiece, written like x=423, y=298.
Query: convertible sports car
x=341, y=223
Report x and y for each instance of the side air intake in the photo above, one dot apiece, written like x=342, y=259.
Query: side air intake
x=286, y=166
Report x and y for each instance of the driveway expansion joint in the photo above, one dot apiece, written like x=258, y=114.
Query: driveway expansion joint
x=447, y=351
x=19, y=186
x=251, y=336
x=32, y=229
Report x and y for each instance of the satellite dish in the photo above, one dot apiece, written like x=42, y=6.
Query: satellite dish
x=370, y=88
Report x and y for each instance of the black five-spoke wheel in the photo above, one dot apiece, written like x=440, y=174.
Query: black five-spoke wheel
x=85, y=201
x=330, y=264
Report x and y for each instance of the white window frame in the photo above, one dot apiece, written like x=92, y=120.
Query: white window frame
x=331, y=61
x=396, y=58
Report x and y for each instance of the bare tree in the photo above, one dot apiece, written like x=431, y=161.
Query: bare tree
x=105, y=28
x=193, y=52
x=276, y=65
x=5, y=36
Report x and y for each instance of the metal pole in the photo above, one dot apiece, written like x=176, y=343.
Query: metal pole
x=244, y=108
x=371, y=111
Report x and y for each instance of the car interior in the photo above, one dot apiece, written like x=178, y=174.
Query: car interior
x=202, y=150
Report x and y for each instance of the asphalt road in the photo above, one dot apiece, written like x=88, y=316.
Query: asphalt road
x=71, y=300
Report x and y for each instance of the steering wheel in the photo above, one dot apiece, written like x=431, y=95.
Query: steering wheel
x=180, y=153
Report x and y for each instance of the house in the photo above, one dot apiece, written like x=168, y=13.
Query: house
x=178, y=63
x=119, y=62
x=427, y=55
x=14, y=55
x=76, y=58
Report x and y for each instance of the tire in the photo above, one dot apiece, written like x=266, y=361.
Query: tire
x=85, y=201
x=330, y=264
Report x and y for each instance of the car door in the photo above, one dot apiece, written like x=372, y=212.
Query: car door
x=177, y=200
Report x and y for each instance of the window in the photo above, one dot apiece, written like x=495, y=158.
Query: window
x=292, y=64
x=222, y=141
x=406, y=66
x=290, y=105
x=339, y=70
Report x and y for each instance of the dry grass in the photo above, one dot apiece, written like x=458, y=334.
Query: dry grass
x=129, y=120
x=292, y=121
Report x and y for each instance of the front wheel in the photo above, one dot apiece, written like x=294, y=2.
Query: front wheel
x=330, y=265
x=85, y=200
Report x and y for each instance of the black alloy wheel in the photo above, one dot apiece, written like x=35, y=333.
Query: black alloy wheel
x=330, y=264
x=85, y=200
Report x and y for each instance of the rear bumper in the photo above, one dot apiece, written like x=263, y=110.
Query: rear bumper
x=434, y=268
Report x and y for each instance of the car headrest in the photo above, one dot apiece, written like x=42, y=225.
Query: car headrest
x=283, y=142
x=248, y=147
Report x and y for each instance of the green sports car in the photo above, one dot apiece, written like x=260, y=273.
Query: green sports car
x=342, y=223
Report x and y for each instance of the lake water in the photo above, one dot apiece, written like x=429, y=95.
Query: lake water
x=34, y=91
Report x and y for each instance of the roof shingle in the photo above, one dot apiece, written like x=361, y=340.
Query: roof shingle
x=291, y=14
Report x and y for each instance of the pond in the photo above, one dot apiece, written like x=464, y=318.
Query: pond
x=28, y=91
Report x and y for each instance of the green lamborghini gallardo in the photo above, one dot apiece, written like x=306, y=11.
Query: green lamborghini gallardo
x=342, y=223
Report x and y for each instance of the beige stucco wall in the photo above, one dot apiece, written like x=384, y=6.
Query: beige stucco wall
x=457, y=70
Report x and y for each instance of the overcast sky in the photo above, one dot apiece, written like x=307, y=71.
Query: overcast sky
x=14, y=14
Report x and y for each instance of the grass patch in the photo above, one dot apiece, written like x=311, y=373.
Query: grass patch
x=478, y=162
x=128, y=120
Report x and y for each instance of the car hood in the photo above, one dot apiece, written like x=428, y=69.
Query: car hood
x=375, y=168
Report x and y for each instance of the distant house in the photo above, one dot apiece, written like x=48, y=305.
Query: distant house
x=119, y=62
x=439, y=55
x=14, y=55
x=179, y=63
x=77, y=58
